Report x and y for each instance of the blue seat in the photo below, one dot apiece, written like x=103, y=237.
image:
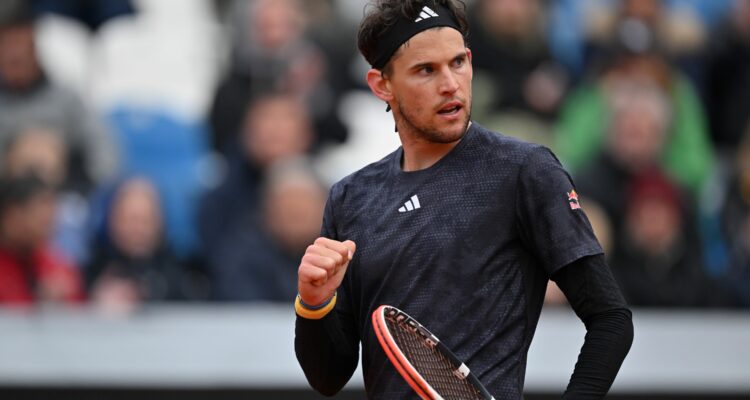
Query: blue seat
x=170, y=150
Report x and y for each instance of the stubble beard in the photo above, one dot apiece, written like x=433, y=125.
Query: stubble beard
x=431, y=133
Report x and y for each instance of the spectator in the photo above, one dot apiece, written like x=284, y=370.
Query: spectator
x=258, y=259
x=688, y=155
x=272, y=54
x=523, y=83
x=636, y=137
x=572, y=22
x=332, y=31
x=276, y=127
x=32, y=270
x=678, y=33
x=37, y=150
x=658, y=257
x=132, y=263
x=28, y=97
x=42, y=151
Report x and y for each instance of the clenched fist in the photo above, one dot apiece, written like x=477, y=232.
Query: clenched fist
x=322, y=269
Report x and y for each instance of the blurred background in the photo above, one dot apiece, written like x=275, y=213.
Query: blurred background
x=164, y=164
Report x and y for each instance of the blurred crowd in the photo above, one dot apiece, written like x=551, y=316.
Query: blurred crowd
x=115, y=201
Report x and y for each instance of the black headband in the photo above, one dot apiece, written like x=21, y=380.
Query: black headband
x=430, y=15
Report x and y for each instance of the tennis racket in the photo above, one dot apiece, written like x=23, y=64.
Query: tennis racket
x=427, y=365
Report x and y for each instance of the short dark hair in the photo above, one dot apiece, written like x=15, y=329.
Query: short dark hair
x=16, y=13
x=383, y=14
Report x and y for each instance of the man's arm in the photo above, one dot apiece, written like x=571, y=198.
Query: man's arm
x=327, y=350
x=325, y=340
x=597, y=300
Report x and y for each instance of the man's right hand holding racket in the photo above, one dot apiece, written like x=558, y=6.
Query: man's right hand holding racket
x=321, y=271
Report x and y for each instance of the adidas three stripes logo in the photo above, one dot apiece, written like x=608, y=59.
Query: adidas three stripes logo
x=425, y=14
x=410, y=205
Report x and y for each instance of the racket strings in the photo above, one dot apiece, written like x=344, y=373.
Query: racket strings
x=434, y=367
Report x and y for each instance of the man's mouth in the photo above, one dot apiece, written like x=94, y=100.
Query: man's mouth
x=450, y=108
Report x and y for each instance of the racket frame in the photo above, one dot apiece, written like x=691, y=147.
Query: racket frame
x=402, y=364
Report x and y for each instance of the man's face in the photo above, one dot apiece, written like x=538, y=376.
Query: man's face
x=638, y=137
x=293, y=210
x=430, y=81
x=18, y=62
x=276, y=128
x=135, y=221
x=30, y=224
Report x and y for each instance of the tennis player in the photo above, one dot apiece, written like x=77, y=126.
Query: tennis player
x=460, y=227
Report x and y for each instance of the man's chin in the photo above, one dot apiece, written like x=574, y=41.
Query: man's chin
x=456, y=132
x=446, y=136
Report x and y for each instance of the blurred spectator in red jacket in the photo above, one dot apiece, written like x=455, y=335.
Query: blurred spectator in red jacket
x=42, y=151
x=32, y=270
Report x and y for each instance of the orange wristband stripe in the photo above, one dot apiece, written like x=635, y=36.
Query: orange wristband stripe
x=307, y=313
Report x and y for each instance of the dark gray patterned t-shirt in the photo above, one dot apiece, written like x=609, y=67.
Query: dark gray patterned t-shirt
x=465, y=247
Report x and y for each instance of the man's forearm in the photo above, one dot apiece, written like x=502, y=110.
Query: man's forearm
x=608, y=339
x=596, y=298
x=326, y=352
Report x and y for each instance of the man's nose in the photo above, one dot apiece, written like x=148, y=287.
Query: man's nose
x=448, y=81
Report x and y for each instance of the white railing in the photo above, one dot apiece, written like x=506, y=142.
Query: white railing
x=252, y=346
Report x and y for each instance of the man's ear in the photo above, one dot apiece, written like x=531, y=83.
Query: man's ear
x=379, y=85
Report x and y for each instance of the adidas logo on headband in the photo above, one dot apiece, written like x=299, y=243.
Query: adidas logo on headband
x=425, y=14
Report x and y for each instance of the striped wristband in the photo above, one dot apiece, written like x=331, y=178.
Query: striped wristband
x=314, y=312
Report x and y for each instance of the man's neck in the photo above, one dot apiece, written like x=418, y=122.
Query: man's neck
x=420, y=153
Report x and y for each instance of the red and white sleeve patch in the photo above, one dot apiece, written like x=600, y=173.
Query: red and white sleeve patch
x=573, y=200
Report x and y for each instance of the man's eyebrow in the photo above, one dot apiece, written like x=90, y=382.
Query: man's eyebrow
x=421, y=65
x=459, y=56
